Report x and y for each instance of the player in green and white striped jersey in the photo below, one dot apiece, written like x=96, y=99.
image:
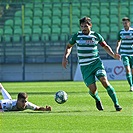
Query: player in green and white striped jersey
x=125, y=45
x=90, y=62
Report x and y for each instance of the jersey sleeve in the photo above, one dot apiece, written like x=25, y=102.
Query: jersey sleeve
x=72, y=40
x=31, y=106
x=100, y=38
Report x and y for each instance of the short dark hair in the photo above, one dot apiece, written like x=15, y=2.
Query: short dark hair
x=85, y=19
x=125, y=18
x=22, y=95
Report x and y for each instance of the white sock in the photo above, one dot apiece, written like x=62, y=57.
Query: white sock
x=5, y=94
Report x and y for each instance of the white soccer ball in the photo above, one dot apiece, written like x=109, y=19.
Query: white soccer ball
x=61, y=97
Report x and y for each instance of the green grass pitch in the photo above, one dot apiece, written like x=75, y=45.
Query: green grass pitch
x=77, y=115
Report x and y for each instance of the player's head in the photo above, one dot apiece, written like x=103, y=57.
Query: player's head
x=85, y=25
x=126, y=22
x=21, y=100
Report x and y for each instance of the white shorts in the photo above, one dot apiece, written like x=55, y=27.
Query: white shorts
x=6, y=104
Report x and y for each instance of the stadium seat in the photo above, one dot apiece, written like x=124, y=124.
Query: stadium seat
x=114, y=19
x=28, y=21
x=65, y=20
x=76, y=11
x=56, y=10
x=114, y=8
x=37, y=12
x=46, y=20
x=36, y=33
x=37, y=21
x=65, y=9
x=9, y=22
x=47, y=12
x=27, y=32
x=8, y=33
x=54, y=37
x=18, y=14
x=104, y=19
x=28, y=13
x=46, y=29
x=56, y=20
x=56, y=29
x=29, y=5
x=85, y=9
x=65, y=29
x=17, y=21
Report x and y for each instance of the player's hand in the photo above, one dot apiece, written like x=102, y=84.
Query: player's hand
x=48, y=108
x=117, y=56
x=64, y=62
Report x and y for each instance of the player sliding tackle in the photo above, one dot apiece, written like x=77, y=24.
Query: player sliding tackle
x=90, y=62
x=20, y=104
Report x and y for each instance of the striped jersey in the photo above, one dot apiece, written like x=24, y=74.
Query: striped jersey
x=87, y=50
x=126, y=37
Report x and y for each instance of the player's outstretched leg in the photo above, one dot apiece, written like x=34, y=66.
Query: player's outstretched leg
x=97, y=99
x=5, y=94
x=112, y=94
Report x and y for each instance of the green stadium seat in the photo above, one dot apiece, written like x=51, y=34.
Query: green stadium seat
x=75, y=20
x=114, y=8
x=37, y=12
x=65, y=29
x=113, y=36
x=27, y=33
x=46, y=29
x=85, y=9
x=38, y=5
x=104, y=19
x=104, y=10
x=37, y=21
x=1, y=31
x=56, y=20
x=114, y=28
x=54, y=37
x=29, y=5
x=65, y=20
x=46, y=20
x=124, y=11
x=114, y=19
x=28, y=21
x=17, y=21
x=64, y=37
x=75, y=28
x=28, y=13
x=8, y=33
x=9, y=22
x=56, y=11
x=65, y=9
x=96, y=28
x=104, y=29
x=47, y=12
x=76, y=11
x=18, y=14
x=56, y=29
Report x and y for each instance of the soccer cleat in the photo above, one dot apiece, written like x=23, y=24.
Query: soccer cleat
x=99, y=105
x=118, y=107
x=131, y=88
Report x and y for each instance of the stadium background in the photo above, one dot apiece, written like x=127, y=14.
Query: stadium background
x=34, y=33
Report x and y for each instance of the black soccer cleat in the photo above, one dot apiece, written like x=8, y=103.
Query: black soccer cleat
x=118, y=107
x=99, y=105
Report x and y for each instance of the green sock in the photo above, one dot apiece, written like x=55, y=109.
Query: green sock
x=95, y=96
x=112, y=94
x=129, y=79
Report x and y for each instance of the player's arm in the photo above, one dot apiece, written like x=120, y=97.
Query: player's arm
x=47, y=108
x=66, y=54
x=108, y=49
x=118, y=46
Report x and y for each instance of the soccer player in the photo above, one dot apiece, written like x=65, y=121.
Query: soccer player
x=125, y=45
x=90, y=62
x=7, y=104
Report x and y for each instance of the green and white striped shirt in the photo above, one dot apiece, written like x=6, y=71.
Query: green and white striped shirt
x=87, y=50
x=126, y=37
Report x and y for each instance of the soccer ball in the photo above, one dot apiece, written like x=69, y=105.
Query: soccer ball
x=61, y=97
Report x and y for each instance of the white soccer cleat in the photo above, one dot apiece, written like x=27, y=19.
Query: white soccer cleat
x=131, y=88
